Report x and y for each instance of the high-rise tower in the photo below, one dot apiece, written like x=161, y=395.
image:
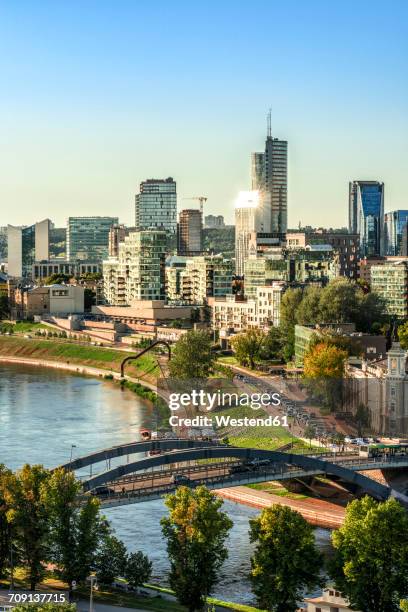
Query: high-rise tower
x=269, y=175
x=366, y=215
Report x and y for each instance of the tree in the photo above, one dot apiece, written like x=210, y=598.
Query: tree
x=370, y=564
x=110, y=561
x=290, y=303
x=75, y=527
x=4, y=306
x=371, y=311
x=403, y=335
x=310, y=433
x=323, y=371
x=89, y=299
x=58, y=278
x=285, y=560
x=192, y=356
x=308, y=311
x=4, y=523
x=362, y=418
x=247, y=346
x=339, y=302
x=138, y=569
x=195, y=530
x=27, y=514
x=273, y=345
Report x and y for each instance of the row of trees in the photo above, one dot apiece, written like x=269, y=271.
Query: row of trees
x=43, y=520
x=369, y=565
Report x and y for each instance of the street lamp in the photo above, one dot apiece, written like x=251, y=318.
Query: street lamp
x=70, y=457
x=93, y=581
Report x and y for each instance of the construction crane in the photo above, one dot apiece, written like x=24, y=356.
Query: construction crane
x=200, y=199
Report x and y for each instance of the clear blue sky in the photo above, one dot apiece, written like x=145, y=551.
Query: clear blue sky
x=96, y=96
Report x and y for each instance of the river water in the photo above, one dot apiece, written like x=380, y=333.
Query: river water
x=43, y=412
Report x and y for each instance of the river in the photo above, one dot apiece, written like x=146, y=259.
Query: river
x=44, y=412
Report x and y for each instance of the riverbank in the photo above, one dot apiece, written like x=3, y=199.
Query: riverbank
x=72, y=353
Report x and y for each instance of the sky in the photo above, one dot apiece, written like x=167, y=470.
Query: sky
x=97, y=96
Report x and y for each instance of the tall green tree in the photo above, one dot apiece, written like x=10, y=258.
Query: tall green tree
x=75, y=527
x=403, y=335
x=308, y=311
x=192, y=356
x=370, y=565
x=273, y=346
x=138, y=569
x=247, y=346
x=290, y=304
x=362, y=418
x=285, y=561
x=339, y=302
x=4, y=523
x=110, y=561
x=196, y=530
x=27, y=513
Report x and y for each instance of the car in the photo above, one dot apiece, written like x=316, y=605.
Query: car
x=103, y=491
x=180, y=479
x=256, y=463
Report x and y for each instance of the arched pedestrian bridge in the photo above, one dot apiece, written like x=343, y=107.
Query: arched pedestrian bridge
x=195, y=462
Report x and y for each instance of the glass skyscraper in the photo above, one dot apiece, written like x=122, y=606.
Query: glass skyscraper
x=395, y=232
x=269, y=173
x=27, y=245
x=88, y=237
x=366, y=213
x=156, y=206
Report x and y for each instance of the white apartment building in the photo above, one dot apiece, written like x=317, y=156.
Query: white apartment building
x=236, y=313
x=330, y=600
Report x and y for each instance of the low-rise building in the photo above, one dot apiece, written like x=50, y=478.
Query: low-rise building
x=371, y=346
x=330, y=600
x=61, y=299
x=43, y=269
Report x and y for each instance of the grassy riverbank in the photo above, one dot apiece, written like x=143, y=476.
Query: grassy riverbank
x=66, y=351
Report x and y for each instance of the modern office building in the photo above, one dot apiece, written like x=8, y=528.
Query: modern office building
x=43, y=269
x=138, y=273
x=366, y=215
x=156, y=206
x=190, y=232
x=390, y=281
x=211, y=221
x=25, y=245
x=88, y=237
x=346, y=245
x=269, y=173
x=395, y=231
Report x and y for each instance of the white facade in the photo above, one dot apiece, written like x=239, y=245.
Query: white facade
x=268, y=300
x=66, y=299
x=330, y=600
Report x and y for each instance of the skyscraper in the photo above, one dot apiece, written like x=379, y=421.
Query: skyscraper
x=395, y=230
x=247, y=213
x=88, y=237
x=269, y=175
x=26, y=245
x=190, y=231
x=366, y=213
x=156, y=206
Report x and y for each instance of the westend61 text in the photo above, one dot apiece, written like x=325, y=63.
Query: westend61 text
x=227, y=421
x=207, y=401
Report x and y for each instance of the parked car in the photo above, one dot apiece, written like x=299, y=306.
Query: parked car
x=180, y=479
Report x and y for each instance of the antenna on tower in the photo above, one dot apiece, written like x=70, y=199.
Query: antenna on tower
x=269, y=123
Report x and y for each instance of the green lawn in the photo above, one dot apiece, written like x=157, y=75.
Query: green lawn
x=71, y=352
